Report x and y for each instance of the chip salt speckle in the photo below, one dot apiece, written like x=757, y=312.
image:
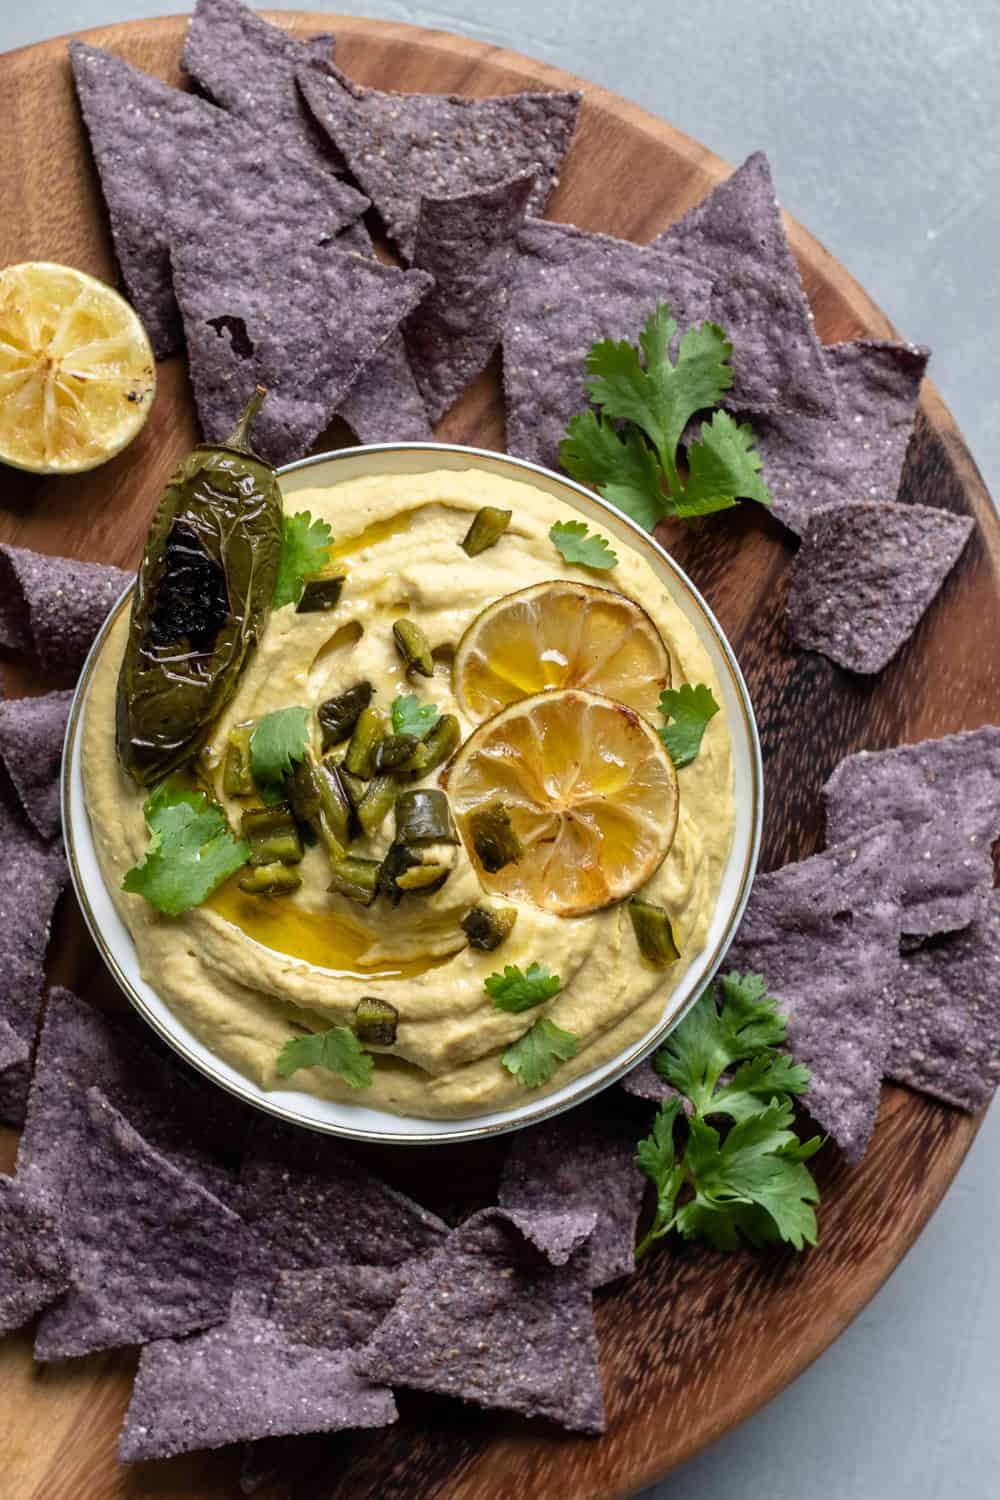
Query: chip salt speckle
x=737, y=234
x=52, y=607
x=401, y=147
x=864, y=576
x=488, y=1319
x=468, y=244
x=32, y=731
x=824, y=933
x=570, y=289
x=33, y=1270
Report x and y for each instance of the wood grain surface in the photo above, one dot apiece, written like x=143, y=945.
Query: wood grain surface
x=697, y=1341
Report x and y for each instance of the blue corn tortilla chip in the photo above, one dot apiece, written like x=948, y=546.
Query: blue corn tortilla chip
x=33, y=1268
x=335, y=1307
x=247, y=66
x=401, y=147
x=854, y=455
x=32, y=731
x=942, y=794
x=301, y=319
x=311, y=1204
x=824, y=933
x=865, y=575
x=488, y=1319
x=15, y=1074
x=244, y=1380
x=52, y=607
x=571, y=288
x=945, y=1022
x=737, y=234
x=584, y=1161
x=468, y=244
x=199, y=1128
x=383, y=405
x=150, y=1252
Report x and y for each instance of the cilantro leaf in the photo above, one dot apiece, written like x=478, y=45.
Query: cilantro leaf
x=764, y=1077
x=338, y=1050
x=657, y=1157
x=709, y=1039
x=516, y=991
x=305, y=550
x=636, y=465
x=689, y=709
x=191, y=849
x=534, y=1057
x=571, y=541
x=410, y=716
x=621, y=467
x=278, y=739
x=759, y=1164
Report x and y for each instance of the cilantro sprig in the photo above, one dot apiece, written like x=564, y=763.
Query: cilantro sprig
x=305, y=550
x=534, y=1057
x=338, y=1050
x=748, y=1181
x=689, y=709
x=574, y=545
x=279, y=739
x=628, y=450
x=516, y=990
x=410, y=716
x=191, y=849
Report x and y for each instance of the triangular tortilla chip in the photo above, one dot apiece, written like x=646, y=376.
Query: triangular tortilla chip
x=243, y=1380
x=854, y=455
x=570, y=289
x=52, y=607
x=737, y=234
x=468, y=244
x=864, y=576
x=401, y=147
x=32, y=731
x=150, y=1252
x=824, y=933
x=15, y=1074
x=247, y=66
x=488, y=1319
x=33, y=1269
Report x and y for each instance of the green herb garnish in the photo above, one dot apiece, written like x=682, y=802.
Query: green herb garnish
x=571, y=541
x=410, y=716
x=305, y=550
x=338, y=1050
x=515, y=990
x=279, y=740
x=749, y=1181
x=191, y=849
x=636, y=465
x=689, y=709
x=534, y=1057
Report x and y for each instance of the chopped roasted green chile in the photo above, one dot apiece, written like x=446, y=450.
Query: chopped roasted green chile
x=493, y=837
x=272, y=835
x=397, y=861
x=270, y=880
x=353, y=786
x=653, y=933
x=423, y=816
x=414, y=647
x=369, y=731
x=487, y=927
x=335, y=806
x=488, y=526
x=394, y=750
x=320, y=595
x=436, y=747
x=375, y=1022
x=374, y=807
x=237, y=775
x=201, y=603
x=356, y=878
x=427, y=877
x=338, y=716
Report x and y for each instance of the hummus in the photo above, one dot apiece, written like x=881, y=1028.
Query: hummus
x=246, y=973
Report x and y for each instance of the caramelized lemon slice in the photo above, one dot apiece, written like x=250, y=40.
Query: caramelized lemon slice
x=590, y=792
x=77, y=375
x=560, y=635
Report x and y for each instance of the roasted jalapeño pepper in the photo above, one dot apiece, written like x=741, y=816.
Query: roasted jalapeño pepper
x=201, y=602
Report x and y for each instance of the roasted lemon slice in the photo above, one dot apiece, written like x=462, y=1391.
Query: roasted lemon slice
x=560, y=635
x=77, y=375
x=566, y=800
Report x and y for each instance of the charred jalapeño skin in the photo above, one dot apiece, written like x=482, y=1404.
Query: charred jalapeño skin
x=202, y=600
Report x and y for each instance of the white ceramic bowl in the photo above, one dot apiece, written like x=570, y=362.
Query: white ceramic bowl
x=116, y=946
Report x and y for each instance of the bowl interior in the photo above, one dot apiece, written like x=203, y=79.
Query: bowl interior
x=115, y=944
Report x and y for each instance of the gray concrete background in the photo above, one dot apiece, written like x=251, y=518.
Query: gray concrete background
x=882, y=124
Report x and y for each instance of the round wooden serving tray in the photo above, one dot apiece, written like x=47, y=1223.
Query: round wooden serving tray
x=696, y=1341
